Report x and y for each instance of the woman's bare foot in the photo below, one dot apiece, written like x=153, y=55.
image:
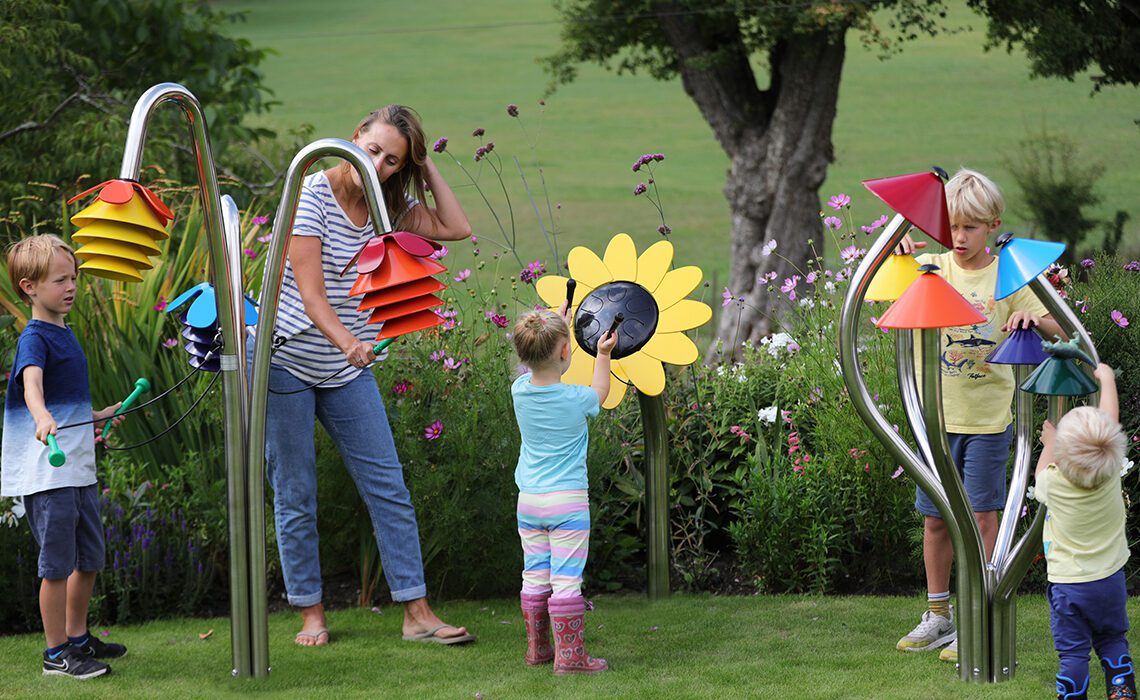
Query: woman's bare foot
x=419, y=620
x=314, y=628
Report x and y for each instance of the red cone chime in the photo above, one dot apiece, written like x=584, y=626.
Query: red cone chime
x=395, y=276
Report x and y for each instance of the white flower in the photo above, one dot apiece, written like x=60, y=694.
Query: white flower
x=1126, y=467
x=720, y=371
x=807, y=302
x=829, y=286
x=1031, y=494
x=768, y=248
x=767, y=415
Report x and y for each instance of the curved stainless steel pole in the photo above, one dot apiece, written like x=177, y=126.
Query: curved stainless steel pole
x=267, y=320
x=1022, y=458
x=849, y=355
x=233, y=372
x=973, y=603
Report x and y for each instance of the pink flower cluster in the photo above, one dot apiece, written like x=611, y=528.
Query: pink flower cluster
x=647, y=159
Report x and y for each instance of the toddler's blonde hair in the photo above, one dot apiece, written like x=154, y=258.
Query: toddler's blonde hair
x=538, y=335
x=1089, y=446
x=31, y=257
x=971, y=196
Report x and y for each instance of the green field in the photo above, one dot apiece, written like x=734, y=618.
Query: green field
x=943, y=101
x=684, y=647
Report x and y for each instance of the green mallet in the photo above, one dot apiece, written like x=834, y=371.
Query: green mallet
x=141, y=387
x=56, y=458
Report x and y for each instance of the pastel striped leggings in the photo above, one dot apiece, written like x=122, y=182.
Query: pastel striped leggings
x=555, y=532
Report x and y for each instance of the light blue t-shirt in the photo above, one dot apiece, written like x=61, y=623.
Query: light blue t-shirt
x=552, y=422
x=25, y=469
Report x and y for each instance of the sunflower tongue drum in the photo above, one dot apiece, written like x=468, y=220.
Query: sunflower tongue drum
x=395, y=277
x=120, y=230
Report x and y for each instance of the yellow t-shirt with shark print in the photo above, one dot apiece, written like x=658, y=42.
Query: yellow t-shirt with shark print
x=977, y=396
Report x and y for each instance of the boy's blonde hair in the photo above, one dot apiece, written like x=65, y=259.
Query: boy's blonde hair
x=1089, y=446
x=971, y=196
x=538, y=335
x=31, y=258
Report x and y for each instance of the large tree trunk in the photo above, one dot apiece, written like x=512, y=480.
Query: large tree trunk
x=779, y=143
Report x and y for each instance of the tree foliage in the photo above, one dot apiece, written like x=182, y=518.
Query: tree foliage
x=70, y=73
x=1067, y=38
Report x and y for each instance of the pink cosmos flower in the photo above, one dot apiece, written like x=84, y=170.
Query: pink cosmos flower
x=170, y=343
x=499, y=320
x=439, y=254
x=265, y=239
x=260, y=220
x=789, y=286
x=726, y=296
x=451, y=363
x=161, y=305
x=401, y=387
x=839, y=201
x=875, y=225
x=833, y=222
x=851, y=253
x=463, y=274
x=898, y=473
x=433, y=431
x=437, y=355
x=1119, y=318
x=250, y=253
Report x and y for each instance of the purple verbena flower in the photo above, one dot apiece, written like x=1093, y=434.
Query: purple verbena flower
x=1088, y=263
x=513, y=109
x=440, y=145
x=640, y=189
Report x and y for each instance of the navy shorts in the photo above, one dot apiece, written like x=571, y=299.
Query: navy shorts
x=68, y=529
x=981, y=461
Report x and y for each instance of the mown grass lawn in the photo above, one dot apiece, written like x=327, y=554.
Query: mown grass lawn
x=942, y=101
x=684, y=647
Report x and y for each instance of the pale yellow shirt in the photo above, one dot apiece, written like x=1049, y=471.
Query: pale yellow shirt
x=976, y=396
x=1084, y=528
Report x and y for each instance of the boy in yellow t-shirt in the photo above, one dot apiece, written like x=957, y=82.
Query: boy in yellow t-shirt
x=1078, y=478
x=976, y=395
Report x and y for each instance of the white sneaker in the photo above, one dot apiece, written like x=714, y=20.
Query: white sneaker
x=934, y=631
x=950, y=653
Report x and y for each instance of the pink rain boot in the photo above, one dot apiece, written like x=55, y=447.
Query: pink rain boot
x=569, y=646
x=537, y=619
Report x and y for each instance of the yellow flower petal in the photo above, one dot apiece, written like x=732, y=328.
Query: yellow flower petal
x=552, y=290
x=674, y=348
x=621, y=257
x=588, y=269
x=646, y=373
x=617, y=388
x=653, y=264
x=676, y=286
x=581, y=370
x=683, y=315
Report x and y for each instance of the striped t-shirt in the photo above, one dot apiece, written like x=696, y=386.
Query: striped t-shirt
x=306, y=353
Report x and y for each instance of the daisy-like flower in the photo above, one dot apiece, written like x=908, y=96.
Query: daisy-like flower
x=768, y=248
x=463, y=274
x=655, y=288
x=1119, y=318
x=433, y=431
x=839, y=201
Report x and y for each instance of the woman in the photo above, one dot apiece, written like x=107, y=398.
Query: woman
x=320, y=331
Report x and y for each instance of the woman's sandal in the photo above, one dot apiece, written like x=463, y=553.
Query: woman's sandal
x=315, y=636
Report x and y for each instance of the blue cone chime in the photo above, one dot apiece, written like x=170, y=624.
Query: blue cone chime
x=1021, y=260
x=200, y=325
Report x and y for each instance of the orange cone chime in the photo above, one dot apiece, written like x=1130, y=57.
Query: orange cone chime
x=120, y=231
x=396, y=278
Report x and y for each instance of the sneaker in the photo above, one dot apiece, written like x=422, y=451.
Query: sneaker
x=72, y=662
x=96, y=649
x=934, y=631
x=950, y=653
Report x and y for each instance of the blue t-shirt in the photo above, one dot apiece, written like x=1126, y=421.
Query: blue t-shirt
x=24, y=467
x=552, y=422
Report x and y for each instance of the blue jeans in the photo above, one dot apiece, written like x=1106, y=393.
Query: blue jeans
x=355, y=419
x=1088, y=616
x=981, y=461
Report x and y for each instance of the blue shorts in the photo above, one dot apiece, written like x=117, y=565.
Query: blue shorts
x=981, y=461
x=68, y=529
